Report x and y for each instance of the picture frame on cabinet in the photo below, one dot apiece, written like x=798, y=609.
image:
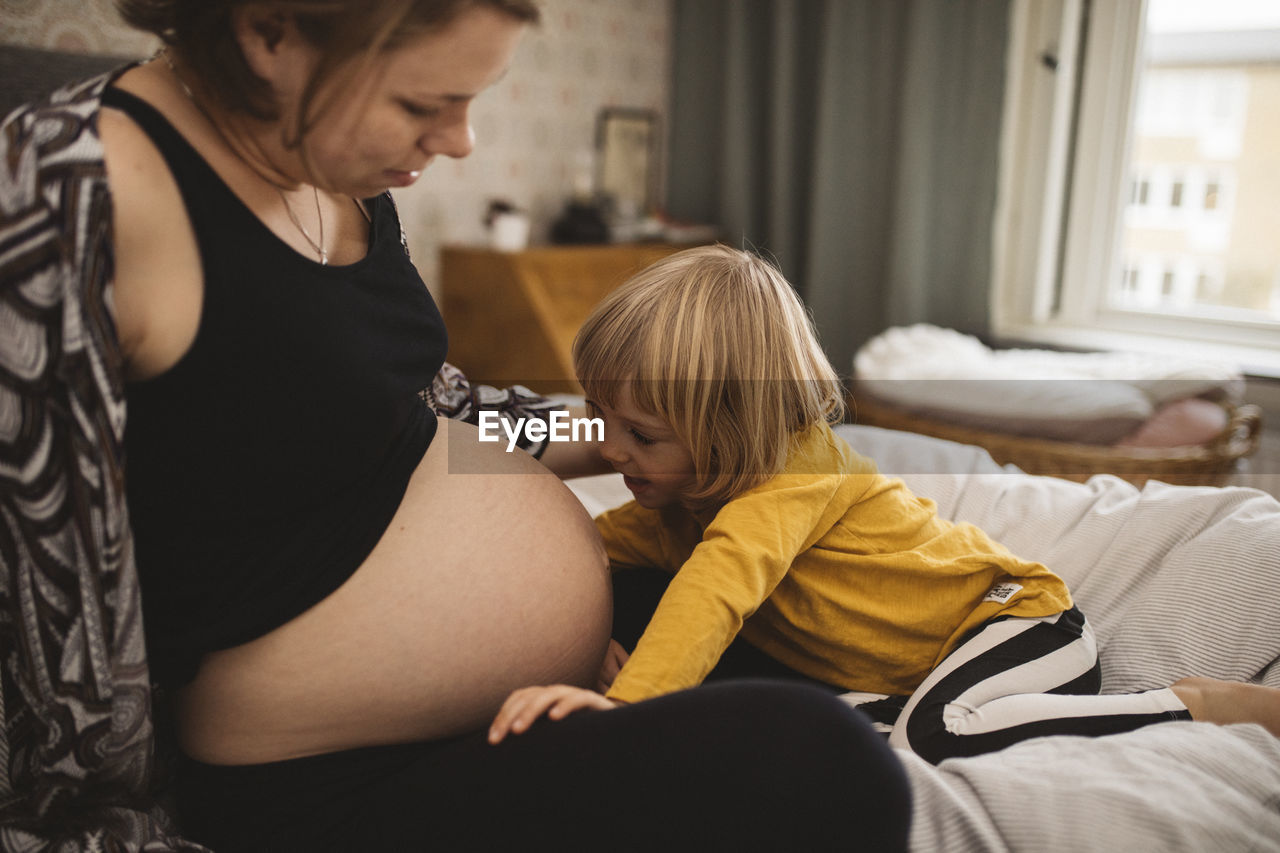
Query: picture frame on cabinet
x=626, y=148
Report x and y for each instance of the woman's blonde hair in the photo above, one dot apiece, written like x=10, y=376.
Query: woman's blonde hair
x=714, y=342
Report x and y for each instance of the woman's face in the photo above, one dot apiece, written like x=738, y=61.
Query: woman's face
x=385, y=127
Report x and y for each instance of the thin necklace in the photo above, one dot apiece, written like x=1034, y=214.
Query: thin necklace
x=318, y=248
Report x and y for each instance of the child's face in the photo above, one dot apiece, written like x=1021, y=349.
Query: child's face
x=654, y=464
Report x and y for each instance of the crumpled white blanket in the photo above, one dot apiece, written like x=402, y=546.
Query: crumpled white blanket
x=941, y=371
x=924, y=351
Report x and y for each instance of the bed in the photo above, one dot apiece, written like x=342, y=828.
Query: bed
x=1177, y=580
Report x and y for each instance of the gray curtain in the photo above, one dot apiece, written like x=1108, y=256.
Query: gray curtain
x=855, y=141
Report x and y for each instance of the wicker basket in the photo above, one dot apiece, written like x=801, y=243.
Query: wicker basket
x=1200, y=465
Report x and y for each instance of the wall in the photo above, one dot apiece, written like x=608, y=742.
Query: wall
x=77, y=26
x=534, y=129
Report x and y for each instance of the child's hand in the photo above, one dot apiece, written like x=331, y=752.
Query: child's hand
x=557, y=701
x=614, y=658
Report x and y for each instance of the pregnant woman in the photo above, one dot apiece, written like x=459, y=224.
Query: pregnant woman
x=338, y=589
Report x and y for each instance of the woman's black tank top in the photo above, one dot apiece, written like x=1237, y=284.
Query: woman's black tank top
x=265, y=465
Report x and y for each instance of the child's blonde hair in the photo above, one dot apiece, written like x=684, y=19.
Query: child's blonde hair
x=714, y=342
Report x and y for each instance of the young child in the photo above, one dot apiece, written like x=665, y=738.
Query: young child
x=717, y=401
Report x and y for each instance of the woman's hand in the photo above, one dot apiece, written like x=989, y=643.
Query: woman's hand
x=614, y=658
x=557, y=701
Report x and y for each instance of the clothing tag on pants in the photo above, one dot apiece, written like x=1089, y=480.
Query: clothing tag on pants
x=1002, y=592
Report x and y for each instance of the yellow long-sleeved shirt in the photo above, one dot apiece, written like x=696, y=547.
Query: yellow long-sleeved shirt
x=831, y=567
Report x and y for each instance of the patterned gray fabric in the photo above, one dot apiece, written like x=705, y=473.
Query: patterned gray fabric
x=453, y=396
x=77, y=742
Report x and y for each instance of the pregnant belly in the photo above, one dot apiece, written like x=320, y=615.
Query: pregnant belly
x=490, y=577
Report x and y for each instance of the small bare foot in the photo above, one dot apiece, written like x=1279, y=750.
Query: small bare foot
x=1225, y=702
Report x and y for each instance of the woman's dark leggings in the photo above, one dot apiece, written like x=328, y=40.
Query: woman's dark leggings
x=737, y=765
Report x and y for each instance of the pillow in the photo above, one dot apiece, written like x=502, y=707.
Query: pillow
x=1182, y=423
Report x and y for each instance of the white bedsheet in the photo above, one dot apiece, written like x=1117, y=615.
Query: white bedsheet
x=1170, y=788
x=1176, y=581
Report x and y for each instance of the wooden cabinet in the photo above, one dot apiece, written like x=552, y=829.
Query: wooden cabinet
x=512, y=315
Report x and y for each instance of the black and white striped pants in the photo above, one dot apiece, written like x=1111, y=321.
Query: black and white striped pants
x=1018, y=678
x=1014, y=679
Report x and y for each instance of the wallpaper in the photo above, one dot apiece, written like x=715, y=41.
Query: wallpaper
x=535, y=130
x=81, y=26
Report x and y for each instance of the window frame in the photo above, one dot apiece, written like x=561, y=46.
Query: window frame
x=1070, y=104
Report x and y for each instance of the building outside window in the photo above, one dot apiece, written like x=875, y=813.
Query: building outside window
x=1208, y=102
x=1141, y=187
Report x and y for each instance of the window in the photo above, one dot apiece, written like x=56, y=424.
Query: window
x=1139, y=205
x=1130, y=289
x=1211, y=195
x=1142, y=197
